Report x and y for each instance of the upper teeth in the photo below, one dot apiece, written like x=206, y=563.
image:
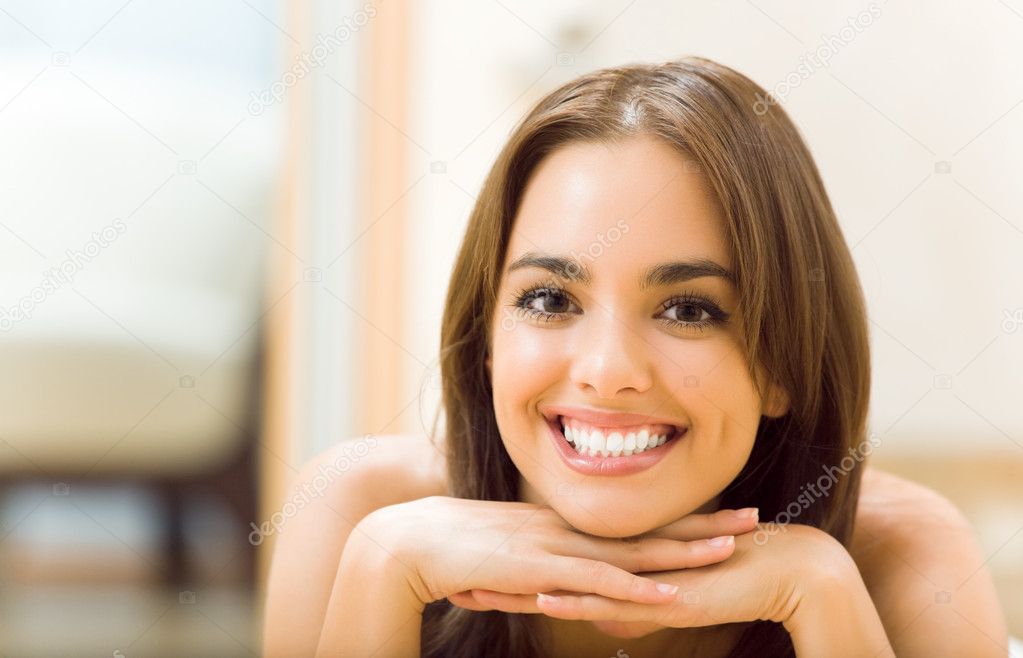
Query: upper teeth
x=611, y=443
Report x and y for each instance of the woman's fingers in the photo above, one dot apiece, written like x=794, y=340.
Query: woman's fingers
x=563, y=605
x=596, y=607
x=582, y=575
x=520, y=603
x=655, y=554
x=705, y=526
x=608, y=567
x=468, y=601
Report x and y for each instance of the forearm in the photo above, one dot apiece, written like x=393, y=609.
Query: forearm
x=372, y=610
x=838, y=618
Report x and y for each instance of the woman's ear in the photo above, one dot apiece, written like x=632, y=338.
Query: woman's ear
x=776, y=402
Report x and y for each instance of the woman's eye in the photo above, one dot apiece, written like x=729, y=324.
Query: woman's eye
x=688, y=312
x=548, y=301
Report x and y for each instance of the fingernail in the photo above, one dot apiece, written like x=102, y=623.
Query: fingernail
x=546, y=598
x=747, y=513
x=666, y=588
x=723, y=540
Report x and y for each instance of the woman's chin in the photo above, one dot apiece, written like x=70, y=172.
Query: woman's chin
x=610, y=525
x=626, y=630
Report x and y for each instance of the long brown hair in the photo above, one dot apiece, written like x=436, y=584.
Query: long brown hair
x=804, y=318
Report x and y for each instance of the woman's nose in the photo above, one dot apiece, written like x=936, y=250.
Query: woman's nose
x=610, y=356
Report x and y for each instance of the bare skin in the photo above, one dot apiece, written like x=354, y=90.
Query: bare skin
x=915, y=552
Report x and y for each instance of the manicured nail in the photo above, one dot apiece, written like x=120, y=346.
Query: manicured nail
x=723, y=540
x=667, y=589
x=546, y=598
x=747, y=513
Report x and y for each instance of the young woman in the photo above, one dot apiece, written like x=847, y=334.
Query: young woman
x=654, y=337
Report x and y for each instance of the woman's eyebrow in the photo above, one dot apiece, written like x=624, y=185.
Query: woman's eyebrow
x=663, y=274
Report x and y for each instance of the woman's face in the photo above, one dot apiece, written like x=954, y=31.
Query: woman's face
x=667, y=348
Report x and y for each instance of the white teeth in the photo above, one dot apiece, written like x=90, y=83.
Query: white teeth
x=614, y=444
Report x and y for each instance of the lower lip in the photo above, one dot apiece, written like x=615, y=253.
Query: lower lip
x=598, y=465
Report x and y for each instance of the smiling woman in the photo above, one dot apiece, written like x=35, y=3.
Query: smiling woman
x=731, y=294
x=621, y=412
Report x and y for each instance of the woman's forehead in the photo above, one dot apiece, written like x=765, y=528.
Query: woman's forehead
x=637, y=199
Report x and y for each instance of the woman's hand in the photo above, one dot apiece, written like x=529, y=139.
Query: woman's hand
x=762, y=579
x=450, y=546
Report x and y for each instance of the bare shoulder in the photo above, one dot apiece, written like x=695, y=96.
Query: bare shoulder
x=392, y=468
x=893, y=506
x=415, y=461
x=925, y=571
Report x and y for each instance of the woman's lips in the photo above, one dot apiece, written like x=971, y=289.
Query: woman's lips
x=602, y=417
x=600, y=465
x=653, y=429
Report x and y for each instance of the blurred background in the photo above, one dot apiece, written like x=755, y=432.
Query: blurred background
x=226, y=231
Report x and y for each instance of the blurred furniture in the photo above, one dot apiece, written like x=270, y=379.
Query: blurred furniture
x=142, y=363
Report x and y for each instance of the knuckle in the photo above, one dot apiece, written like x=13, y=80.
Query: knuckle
x=688, y=552
x=597, y=571
x=816, y=540
x=517, y=545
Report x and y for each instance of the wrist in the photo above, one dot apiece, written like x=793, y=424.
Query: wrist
x=817, y=587
x=378, y=547
x=832, y=610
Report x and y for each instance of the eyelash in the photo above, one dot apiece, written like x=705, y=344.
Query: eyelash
x=704, y=302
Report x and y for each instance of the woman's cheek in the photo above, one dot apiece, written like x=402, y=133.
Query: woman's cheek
x=714, y=367
x=523, y=368
x=525, y=361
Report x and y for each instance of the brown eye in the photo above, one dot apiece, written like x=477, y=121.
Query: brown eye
x=692, y=312
x=544, y=303
x=552, y=302
x=689, y=312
